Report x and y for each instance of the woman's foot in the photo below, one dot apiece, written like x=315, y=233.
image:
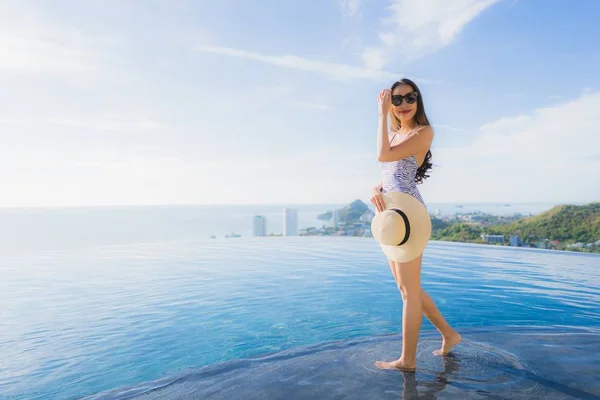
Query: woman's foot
x=448, y=343
x=397, y=364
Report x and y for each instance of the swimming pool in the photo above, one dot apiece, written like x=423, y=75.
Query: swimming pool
x=293, y=317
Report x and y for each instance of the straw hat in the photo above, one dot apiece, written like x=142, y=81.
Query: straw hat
x=403, y=228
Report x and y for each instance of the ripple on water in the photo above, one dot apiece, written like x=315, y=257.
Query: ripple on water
x=476, y=369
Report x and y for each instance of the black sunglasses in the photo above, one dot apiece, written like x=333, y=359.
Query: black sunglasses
x=410, y=98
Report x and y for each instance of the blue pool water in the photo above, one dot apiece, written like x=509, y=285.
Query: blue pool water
x=293, y=317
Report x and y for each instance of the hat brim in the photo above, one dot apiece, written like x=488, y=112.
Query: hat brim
x=420, y=227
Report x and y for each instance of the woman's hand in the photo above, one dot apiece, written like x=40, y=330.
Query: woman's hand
x=377, y=199
x=385, y=101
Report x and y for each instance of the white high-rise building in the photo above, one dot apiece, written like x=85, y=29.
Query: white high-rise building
x=290, y=222
x=334, y=218
x=260, y=225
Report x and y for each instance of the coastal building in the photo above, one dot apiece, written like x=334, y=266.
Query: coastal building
x=492, y=238
x=514, y=240
x=334, y=218
x=290, y=222
x=260, y=225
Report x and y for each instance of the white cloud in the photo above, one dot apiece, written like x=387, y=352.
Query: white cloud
x=350, y=8
x=34, y=44
x=117, y=176
x=551, y=154
x=107, y=123
x=450, y=128
x=417, y=28
x=374, y=58
x=333, y=70
x=565, y=131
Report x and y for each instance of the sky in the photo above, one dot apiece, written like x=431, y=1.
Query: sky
x=275, y=102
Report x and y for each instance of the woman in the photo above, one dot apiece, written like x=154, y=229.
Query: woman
x=405, y=159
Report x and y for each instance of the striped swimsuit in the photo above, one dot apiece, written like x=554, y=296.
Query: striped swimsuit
x=399, y=176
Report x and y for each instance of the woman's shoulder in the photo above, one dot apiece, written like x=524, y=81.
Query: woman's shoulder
x=426, y=130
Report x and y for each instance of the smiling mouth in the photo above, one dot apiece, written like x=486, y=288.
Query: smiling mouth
x=404, y=111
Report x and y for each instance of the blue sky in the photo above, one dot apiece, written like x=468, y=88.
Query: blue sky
x=224, y=102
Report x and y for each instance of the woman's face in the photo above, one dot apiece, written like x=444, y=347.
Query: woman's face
x=404, y=111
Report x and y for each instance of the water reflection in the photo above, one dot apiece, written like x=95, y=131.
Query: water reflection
x=430, y=388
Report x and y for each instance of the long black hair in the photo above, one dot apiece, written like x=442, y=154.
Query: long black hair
x=421, y=120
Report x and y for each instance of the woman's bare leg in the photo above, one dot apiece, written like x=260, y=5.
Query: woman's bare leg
x=393, y=268
x=450, y=337
x=412, y=314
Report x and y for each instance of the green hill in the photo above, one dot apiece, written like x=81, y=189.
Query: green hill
x=349, y=214
x=566, y=223
x=454, y=232
x=353, y=211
